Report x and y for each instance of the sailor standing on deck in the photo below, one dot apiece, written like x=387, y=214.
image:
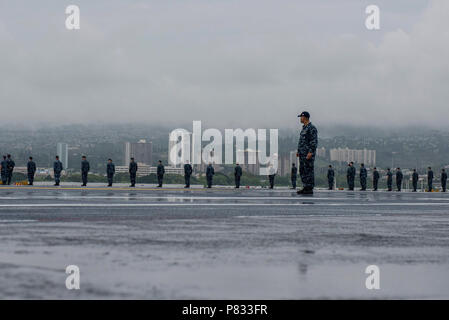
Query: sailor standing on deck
x=10, y=168
x=271, y=175
x=399, y=177
x=31, y=170
x=132, y=172
x=187, y=173
x=389, y=180
x=443, y=180
x=209, y=174
x=415, y=178
x=376, y=177
x=330, y=177
x=57, y=169
x=110, y=171
x=4, y=170
x=294, y=175
x=363, y=176
x=237, y=175
x=160, y=173
x=307, y=144
x=85, y=167
x=350, y=176
x=429, y=180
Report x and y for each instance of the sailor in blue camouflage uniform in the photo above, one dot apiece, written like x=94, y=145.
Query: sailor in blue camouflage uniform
x=210, y=174
x=308, y=142
x=415, y=178
x=187, y=173
x=11, y=165
x=399, y=177
x=376, y=177
x=237, y=175
x=443, y=180
x=294, y=175
x=160, y=173
x=132, y=172
x=4, y=170
x=429, y=179
x=110, y=171
x=389, y=180
x=57, y=169
x=350, y=176
x=85, y=167
x=363, y=176
x=31, y=170
x=330, y=177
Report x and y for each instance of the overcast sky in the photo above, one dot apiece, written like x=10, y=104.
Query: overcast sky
x=230, y=63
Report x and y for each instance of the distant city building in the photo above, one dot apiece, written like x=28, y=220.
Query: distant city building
x=62, y=150
x=141, y=151
x=368, y=157
x=321, y=152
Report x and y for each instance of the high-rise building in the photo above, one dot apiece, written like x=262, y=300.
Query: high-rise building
x=321, y=152
x=62, y=150
x=365, y=156
x=141, y=151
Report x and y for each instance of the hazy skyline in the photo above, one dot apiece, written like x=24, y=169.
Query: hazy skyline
x=228, y=63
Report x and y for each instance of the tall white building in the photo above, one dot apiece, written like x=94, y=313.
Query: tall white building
x=62, y=150
x=142, y=151
x=368, y=157
x=321, y=152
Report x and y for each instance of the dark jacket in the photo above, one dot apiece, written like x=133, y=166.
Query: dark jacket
x=330, y=174
x=238, y=171
x=210, y=171
x=308, y=140
x=11, y=165
x=188, y=169
x=389, y=176
x=4, y=165
x=110, y=168
x=351, y=172
x=57, y=167
x=294, y=171
x=363, y=173
x=31, y=167
x=399, y=175
x=415, y=176
x=133, y=167
x=85, y=166
x=430, y=175
x=376, y=175
x=160, y=170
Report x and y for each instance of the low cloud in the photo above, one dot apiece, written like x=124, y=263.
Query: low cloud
x=237, y=63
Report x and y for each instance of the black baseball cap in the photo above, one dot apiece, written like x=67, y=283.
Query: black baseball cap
x=304, y=114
